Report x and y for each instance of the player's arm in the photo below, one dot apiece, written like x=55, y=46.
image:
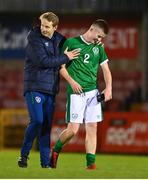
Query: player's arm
x=108, y=81
x=75, y=86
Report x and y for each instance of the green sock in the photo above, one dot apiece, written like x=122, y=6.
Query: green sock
x=90, y=158
x=58, y=146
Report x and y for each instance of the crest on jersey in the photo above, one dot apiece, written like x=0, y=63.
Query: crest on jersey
x=38, y=99
x=95, y=50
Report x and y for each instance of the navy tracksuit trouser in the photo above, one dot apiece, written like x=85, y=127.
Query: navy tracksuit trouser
x=41, y=108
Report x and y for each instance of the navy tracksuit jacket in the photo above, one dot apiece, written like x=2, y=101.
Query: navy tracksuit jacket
x=41, y=84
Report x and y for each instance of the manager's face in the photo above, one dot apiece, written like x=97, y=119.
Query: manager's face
x=47, y=28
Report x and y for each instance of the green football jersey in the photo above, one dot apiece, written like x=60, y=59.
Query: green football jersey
x=84, y=69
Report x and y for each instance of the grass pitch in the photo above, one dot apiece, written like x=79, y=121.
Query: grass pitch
x=72, y=166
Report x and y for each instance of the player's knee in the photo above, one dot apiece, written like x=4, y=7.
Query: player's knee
x=91, y=125
x=73, y=131
x=91, y=128
x=73, y=127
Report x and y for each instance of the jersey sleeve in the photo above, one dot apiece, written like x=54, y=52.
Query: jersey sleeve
x=103, y=56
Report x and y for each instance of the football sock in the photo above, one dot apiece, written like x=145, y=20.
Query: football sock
x=90, y=158
x=58, y=146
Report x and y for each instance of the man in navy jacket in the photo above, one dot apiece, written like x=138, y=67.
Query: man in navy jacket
x=41, y=84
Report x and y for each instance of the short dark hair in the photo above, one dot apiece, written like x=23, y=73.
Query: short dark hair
x=102, y=24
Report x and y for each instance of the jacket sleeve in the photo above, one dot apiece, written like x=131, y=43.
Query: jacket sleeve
x=37, y=53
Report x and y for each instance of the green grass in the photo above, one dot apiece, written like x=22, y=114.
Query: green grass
x=72, y=165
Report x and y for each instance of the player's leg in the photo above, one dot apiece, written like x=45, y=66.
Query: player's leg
x=90, y=144
x=34, y=102
x=74, y=117
x=44, y=138
x=64, y=138
x=93, y=114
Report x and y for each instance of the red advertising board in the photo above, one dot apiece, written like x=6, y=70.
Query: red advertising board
x=124, y=133
x=122, y=41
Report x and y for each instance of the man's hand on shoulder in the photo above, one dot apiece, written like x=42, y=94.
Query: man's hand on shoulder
x=72, y=54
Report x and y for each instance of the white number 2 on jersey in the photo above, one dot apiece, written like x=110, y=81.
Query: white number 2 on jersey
x=86, y=57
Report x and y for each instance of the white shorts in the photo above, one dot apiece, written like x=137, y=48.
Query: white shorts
x=83, y=108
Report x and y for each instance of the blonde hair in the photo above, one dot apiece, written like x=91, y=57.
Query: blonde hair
x=51, y=17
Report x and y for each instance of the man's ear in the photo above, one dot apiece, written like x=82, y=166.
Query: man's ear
x=56, y=27
x=91, y=28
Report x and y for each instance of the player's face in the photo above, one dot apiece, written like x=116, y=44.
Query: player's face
x=47, y=28
x=97, y=35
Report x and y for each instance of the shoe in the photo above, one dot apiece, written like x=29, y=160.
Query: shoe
x=46, y=166
x=22, y=161
x=91, y=167
x=54, y=158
